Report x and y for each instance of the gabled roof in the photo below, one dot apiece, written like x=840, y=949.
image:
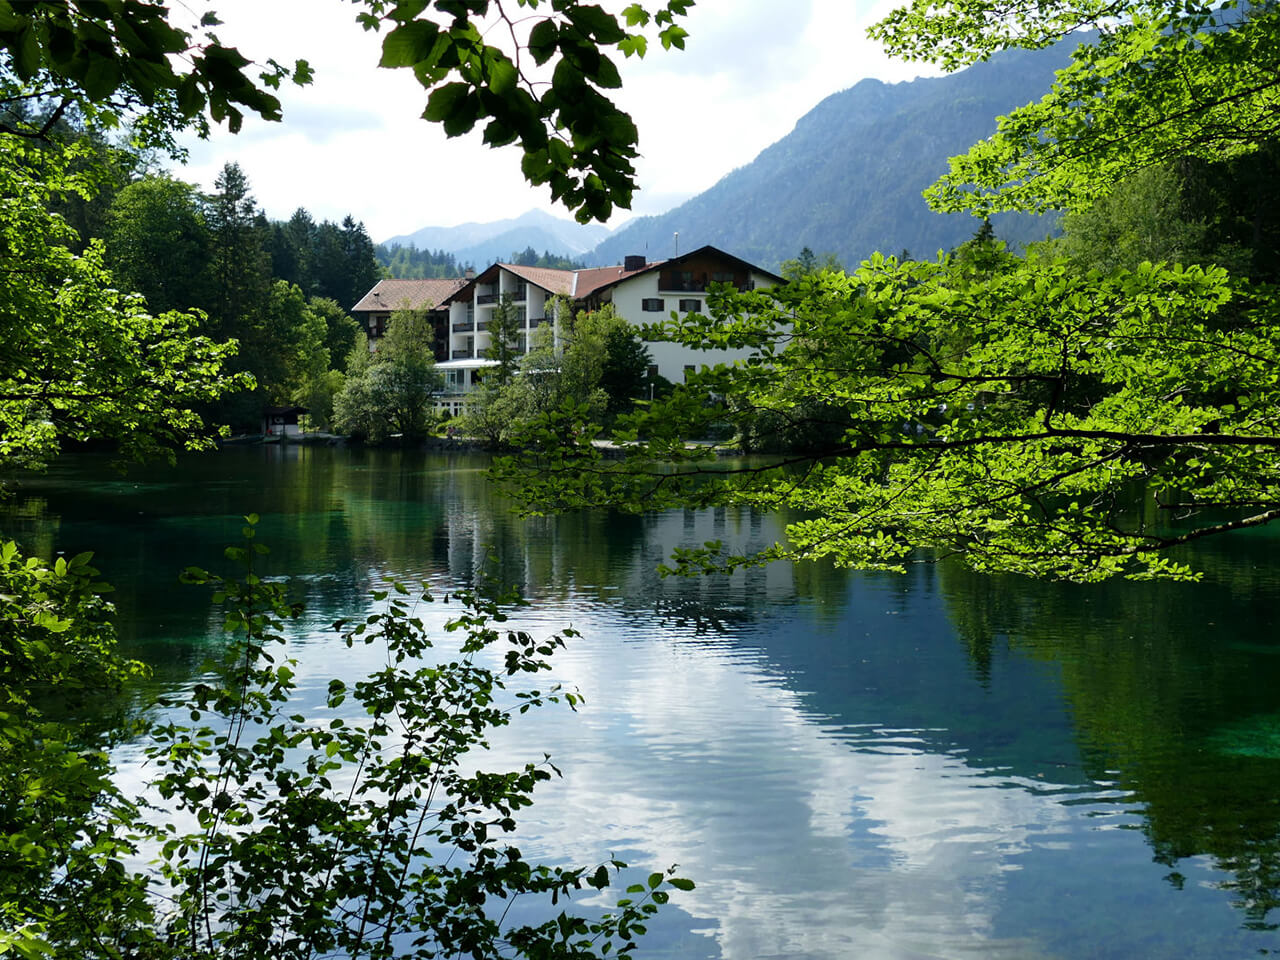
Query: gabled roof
x=414, y=294
x=707, y=251
x=597, y=278
x=553, y=281
x=580, y=284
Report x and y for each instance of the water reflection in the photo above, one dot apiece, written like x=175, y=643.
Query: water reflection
x=1174, y=687
x=937, y=764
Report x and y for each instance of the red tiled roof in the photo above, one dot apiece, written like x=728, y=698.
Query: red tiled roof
x=593, y=278
x=413, y=294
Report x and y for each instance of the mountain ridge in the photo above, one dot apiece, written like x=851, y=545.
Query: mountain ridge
x=847, y=178
x=473, y=241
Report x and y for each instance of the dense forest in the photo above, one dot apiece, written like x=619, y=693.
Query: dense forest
x=282, y=289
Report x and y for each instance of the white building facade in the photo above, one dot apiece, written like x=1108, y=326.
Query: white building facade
x=640, y=292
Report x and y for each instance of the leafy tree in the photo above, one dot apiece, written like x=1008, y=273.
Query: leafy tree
x=1160, y=81
x=505, y=330
x=1198, y=213
x=66, y=826
x=983, y=253
x=295, y=336
x=492, y=410
x=1027, y=419
x=1144, y=218
x=108, y=167
x=340, y=329
x=598, y=368
x=84, y=359
x=157, y=242
x=391, y=391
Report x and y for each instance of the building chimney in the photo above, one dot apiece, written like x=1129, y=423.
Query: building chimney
x=469, y=273
x=633, y=261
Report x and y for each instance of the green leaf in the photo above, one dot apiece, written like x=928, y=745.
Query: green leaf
x=445, y=100
x=597, y=24
x=408, y=43
x=543, y=39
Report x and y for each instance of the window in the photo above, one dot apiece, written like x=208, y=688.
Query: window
x=690, y=306
x=651, y=304
x=688, y=369
x=722, y=277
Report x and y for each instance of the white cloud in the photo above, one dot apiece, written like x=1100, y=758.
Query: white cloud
x=354, y=142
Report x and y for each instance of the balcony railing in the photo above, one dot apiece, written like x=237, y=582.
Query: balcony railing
x=482, y=325
x=535, y=322
x=487, y=298
x=460, y=355
x=464, y=326
x=671, y=285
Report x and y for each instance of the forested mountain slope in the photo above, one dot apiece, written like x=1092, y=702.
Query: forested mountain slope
x=848, y=178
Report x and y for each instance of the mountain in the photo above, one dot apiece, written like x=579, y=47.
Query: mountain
x=847, y=179
x=483, y=243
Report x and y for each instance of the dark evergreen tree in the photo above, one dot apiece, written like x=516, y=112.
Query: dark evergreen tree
x=361, y=267
x=625, y=373
x=504, y=334
x=291, y=246
x=239, y=267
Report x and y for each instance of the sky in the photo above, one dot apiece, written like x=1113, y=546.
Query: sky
x=353, y=141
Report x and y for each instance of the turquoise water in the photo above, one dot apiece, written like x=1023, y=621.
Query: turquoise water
x=849, y=765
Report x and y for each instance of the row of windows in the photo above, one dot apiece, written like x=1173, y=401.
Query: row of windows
x=657, y=305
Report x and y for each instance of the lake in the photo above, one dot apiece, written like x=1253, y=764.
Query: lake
x=930, y=765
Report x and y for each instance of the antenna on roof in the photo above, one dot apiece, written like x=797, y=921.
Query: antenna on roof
x=677, y=236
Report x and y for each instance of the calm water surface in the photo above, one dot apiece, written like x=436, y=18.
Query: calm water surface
x=920, y=766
